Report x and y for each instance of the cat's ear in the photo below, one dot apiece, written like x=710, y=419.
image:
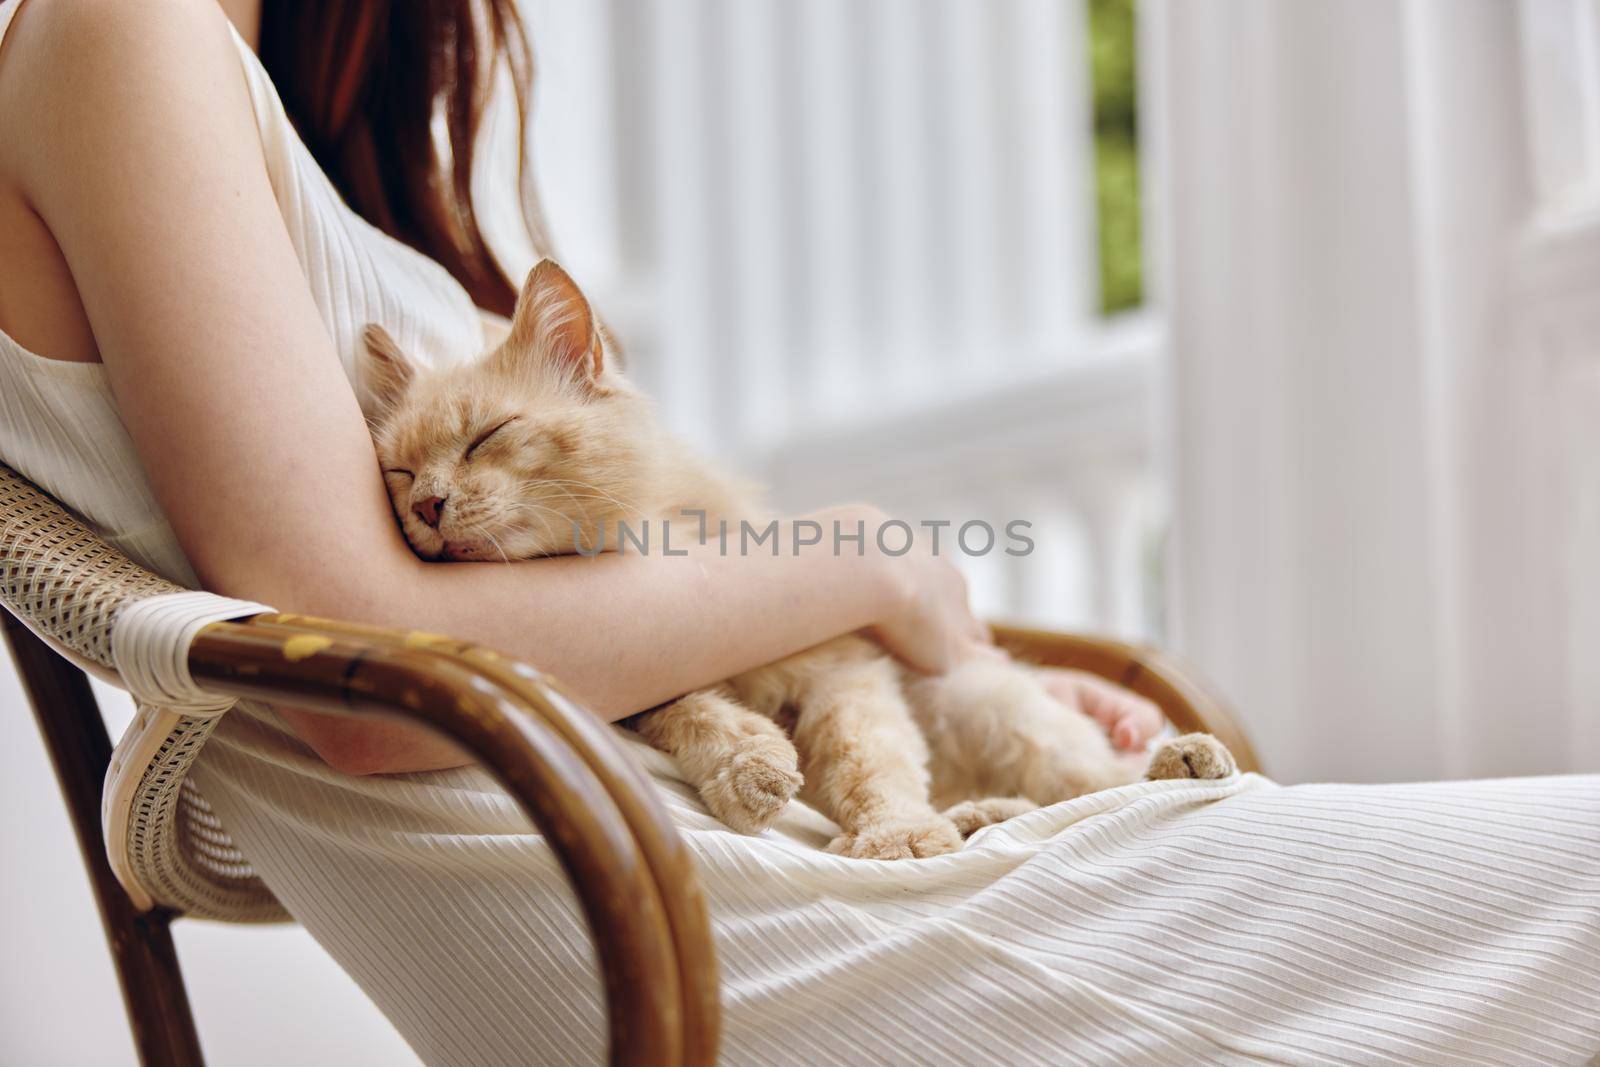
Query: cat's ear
x=554, y=326
x=386, y=370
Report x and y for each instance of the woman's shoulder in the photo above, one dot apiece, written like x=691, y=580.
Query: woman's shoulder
x=71, y=67
x=93, y=94
x=56, y=41
x=78, y=30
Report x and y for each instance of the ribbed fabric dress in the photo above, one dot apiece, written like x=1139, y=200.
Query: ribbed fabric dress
x=1168, y=923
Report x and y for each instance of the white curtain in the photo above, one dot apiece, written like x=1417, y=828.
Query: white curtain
x=1382, y=252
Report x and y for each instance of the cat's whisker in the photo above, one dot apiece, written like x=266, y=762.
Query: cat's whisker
x=586, y=507
x=569, y=494
x=539, y=511
x=537, y=508
x=595, y=489
x=498, y=547
x=584, y=502
x=535, y=484
x=481, y=531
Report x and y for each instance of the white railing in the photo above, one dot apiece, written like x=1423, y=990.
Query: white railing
x=855, y=250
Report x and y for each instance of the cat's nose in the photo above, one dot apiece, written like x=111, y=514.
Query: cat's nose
x=428, y=510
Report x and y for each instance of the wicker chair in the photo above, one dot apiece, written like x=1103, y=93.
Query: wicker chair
x=154, y=850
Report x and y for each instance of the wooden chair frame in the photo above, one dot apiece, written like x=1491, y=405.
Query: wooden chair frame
x=630, y=870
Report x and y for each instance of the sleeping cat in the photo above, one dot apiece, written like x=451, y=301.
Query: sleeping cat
x=512, y=456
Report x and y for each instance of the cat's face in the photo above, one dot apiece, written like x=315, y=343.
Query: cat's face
x=500, y=458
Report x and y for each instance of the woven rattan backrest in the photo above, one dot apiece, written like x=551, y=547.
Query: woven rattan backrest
x=67, y=584
x=58, y=576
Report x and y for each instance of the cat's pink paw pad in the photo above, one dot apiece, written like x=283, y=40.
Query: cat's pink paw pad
x=900, y=841
x=755, y=786
x=1191, y=756
x=1130, y=735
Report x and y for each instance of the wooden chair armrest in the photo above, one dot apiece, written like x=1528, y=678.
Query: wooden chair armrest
x=1186, y=701
x=631, y=872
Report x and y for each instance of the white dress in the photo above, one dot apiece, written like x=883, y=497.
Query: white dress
x=1166, y=923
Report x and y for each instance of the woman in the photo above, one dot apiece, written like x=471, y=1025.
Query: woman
x=181, y=290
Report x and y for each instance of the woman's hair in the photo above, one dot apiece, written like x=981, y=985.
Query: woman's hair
x=366, y=81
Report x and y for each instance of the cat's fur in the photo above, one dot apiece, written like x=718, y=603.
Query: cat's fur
x=541, y=434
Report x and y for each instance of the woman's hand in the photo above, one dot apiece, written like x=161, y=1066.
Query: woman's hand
x=1128, y=718
x=928, y=623
x=930, y=627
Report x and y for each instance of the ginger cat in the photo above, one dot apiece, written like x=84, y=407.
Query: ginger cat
x=510, y=456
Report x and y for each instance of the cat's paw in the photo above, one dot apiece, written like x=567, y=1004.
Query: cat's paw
x=1191, y=756
x=754, y=786
x=917, y=839
x=970, y=816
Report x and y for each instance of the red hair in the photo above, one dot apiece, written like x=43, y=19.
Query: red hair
x=364, y=82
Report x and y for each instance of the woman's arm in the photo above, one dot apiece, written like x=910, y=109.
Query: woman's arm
x=128, y=128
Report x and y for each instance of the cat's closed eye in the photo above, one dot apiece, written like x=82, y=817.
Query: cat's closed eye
x=400, y=471
x=485, y=435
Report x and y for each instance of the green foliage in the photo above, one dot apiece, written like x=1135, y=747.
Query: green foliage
x=1114, y=68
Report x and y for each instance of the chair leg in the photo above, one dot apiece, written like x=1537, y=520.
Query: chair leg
x=141, y=944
